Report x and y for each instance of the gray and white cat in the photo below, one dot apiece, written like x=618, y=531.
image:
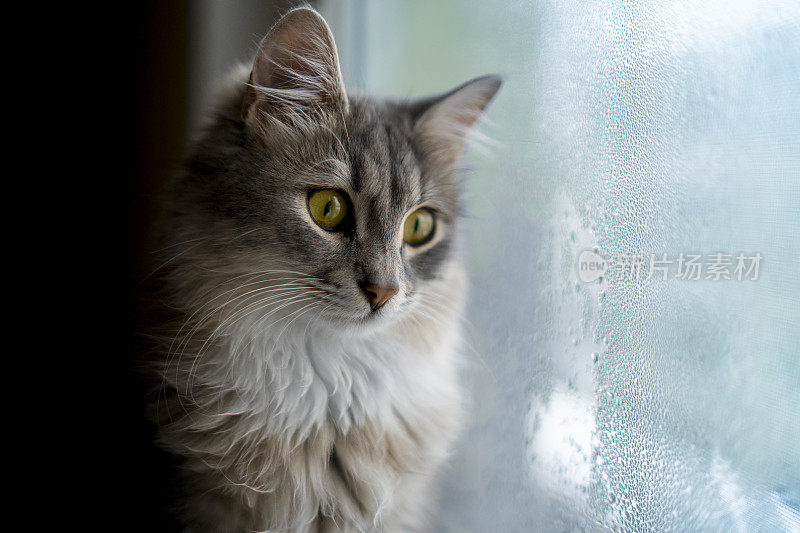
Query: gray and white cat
x=313, y=286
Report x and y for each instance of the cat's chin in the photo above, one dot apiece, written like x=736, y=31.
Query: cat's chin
x=377, y=318
x=364, y=322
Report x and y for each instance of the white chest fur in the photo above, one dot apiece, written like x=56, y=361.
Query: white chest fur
x=302, y=425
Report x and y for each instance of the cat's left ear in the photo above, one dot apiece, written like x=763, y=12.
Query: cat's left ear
x=296, y=70
x=442, y=123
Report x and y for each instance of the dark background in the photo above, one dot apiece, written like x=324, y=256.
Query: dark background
x=141, y=136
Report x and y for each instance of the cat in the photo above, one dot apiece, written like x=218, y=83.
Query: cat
x=310, y=297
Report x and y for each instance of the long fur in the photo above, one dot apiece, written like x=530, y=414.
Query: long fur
x=290, y=406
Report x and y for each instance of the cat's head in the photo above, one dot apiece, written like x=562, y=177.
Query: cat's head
x=339, y=207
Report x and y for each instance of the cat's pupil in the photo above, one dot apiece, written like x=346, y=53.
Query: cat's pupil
x=416, y=224
x=327, y=209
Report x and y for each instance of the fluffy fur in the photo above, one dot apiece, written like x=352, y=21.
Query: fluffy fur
x=292, y=405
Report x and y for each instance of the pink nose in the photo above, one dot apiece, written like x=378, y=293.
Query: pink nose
x=377, y=296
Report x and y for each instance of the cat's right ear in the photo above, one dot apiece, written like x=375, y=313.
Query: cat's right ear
x=295, y=72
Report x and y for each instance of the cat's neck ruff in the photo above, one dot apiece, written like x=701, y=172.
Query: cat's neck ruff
x=303, y=376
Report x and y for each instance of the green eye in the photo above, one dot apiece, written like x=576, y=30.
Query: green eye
x=418, y=227
x=328, y=208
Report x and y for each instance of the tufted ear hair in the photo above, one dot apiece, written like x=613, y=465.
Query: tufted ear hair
x=296, y=70
x=442, y=123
